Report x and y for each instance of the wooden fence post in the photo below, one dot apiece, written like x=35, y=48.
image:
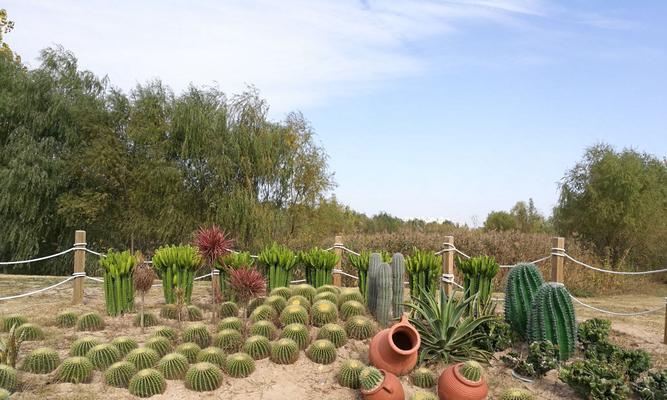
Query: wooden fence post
x=448, y=263
x=337, y=277
x=557, y=259
x=79, y=265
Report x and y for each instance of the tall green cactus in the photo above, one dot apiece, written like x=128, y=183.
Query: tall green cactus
x=424, y=270
x=522, y=282
x=552, y=318
x=397, y=276
x=360, y=262
x=278, y=262
x=384, y=289
x=177, y=266
x=118, y=289
x=374, y=261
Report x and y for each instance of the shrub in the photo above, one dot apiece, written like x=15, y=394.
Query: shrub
x=119, y=374
x=496, y=335
x=542, y=358
x=653, y=386
x=595, y=380
x=146, y=383
x=203, y=377
x=593, y=331
x=75, y=370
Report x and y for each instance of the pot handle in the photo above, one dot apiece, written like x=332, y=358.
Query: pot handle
x=388, y=389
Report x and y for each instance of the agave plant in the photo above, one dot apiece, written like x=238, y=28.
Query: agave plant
x=319, y=265
x=448, y=331
x=245, y=284
x=424, y=269
x=278, y=261
x=177, y=266
x=212, y=244
x=118, y=291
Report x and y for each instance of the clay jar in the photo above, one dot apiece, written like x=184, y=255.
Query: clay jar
x=454, y=386
x=390, y=389
x=395, y=349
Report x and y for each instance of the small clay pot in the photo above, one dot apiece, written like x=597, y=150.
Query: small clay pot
x=390, y=389
x=395, y=349
x=454, y=386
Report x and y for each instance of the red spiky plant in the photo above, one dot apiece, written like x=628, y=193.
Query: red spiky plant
x=246, y=284
x=213, y=243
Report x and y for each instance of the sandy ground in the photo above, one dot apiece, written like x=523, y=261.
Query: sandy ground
x=302, y=380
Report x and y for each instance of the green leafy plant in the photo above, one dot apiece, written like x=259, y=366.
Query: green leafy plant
x=523, y=281
x=360, y=262
x=177, y=266
x=478, y=274
x=595, y=380
x=423, y=377
x=75, y=370
x=319, y=264
x=239, y=365
x=278, y=262
x=653, y=386
x=424, y=269
x=203, y=377
x=146, y=383
x=496, y=335
x=348, y=375
x=118, y=290
x=298, y=333
x=41, y=361
x=593, y=331
x=119, y=374
x=322, y=351
x=542, y=358
x=173, y=366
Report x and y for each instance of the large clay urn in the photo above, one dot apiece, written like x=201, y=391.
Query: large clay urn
x=390, y=389
x=395, y=349
x=454, y=386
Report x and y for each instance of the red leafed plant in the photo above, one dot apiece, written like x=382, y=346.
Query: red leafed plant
x=212, y=243
x=246, y=284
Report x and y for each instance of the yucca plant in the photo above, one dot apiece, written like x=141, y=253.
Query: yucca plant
x=318, y=265
x=177, y=266
x=118, y=291
x=424, y=269
x=212, y=244
x=142, y=278
x=478, y=274
x=360, y=262
x=245, y=284
x=278, y=262
x=448, y=331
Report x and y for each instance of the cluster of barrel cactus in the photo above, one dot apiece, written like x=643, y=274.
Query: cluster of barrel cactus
x=119, y=374
x=228, y=309
x=348, y=375
x=189, y=350
x=298, y=333
x=304, y=290
x=324, y=312
x=423, y=377
x=351, y=308
x=41, y=361
x=235, y=323
x=90, y=322
x=203, y=377
x=284, y=351
x=322, y=351
x=173, y=366
x=147, y=382
x=166, y=332
x=294, y=314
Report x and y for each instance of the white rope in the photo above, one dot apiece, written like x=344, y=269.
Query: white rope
x=298, y=281
x=94, y=252
x=92, y=278
x=450, y=247
x=655, y=271
x=39, y=258
x=18, y=296
x=342, y=247
x=340, y=271
x=203, y=276
x=620, y=314
x=539, y=260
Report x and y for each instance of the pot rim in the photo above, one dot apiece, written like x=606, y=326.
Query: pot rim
x=403, y=325
x=463, y=379
x=377, y=389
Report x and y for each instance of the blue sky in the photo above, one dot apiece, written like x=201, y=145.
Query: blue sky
x=429, y=109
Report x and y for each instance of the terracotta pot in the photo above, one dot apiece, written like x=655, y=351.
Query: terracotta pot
x=390, y=389
x=395, y=349
x=454, y=386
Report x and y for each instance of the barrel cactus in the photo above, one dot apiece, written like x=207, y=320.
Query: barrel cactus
x=229, y=309
x=324, y=312
x=166, y=332
x=359, y=327
x=423, y=377
x=41, y=361
x=119, y=374
x=374, y=262
x=523, y=280
x=264, y=328
x=281, y=291
x=81, y=346
x=4, y=394
x=160, y=344
x=384, y=291
x=277, y=302
x=124, y=344
x=146, y=383
x=397, y=278
x=327, y=288
x=517, y=394
x=90, y=322
x=75, y=370
x=150, y=319
x=326, y=296
x=552, y=318
x=257, y=346
x=348, y=375
x=297, y=332
x=333, y=332
x=173, y=366
x=229, y=340
x=12, y=320
x=351, y=308
x=422, y=395
x=203, y=377
x=322, y=351
x=304, y=290
x=66, y=319
x=471, y=370
x=8, y=377
x=30, y=332
x=294, y=314
x=197, y=333
x=194, y=313
x=239, y=365
x=213, y=355
x=370, y=378
x=143, y=357
x=284, y=351
x=264, y=313
x=299, y=301
x=169, y=311
x=348, y=294
x=253, y=304
x=189, y=350
x=235, y=323
x=103, y=355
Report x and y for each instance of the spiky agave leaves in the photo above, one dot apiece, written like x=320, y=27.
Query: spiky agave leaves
x=12, y=320
x=230, y=340
x=194, y=313
x=299, y=301
x=264, y=328
x=75, y=370
x=264, y=313
x=41, y=361
x=124, y=344
x=231, y=323
x=197, y=333
x=166, y=332
x=471, y=370
x=277, y=302
x=30, y=332
x=370, y=378
x=66, y=319
x=213, y=355
x=423, y=395
x=90, y=322
x=326, y=296
x=257, y=346
x=203, y=377
x=423, y=377
x=351, y=308
x=304, y=290
x=359, y=327
x=322, y=351
x=294, y=314
x=349, y=294
x=239, y=365
x=103, y=355
x=189, y=350
x=8, y=378
x=81, y=346
x=334, y=333
x=516, y=394
x=281, y=291
x=297, y=332
x=150, y=319
x=173, y=366
x=146, y=383
x=348, y=375
x=160, y=344
x=324, y=312
x=119, y=374
x=143, y=357
x=229, y=309
x=284, y=351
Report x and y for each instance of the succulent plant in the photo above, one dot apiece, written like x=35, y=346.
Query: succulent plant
x=348, y=375
x=359, y=327
x=103, y=355
x=189, y=350
x=328, y=288
x=281, y=291
x=374, y=261
x=254, y=303
x=333, y=332
x=146, y=383
x=397, y=279
x=143, y=357
x=118, y=374
x=41, y=361
x=422, y=395
x=471, y=370
x=304, y=290
x=324, y=312
x=90, y=322
x=523, y=280
x=264, y=328
x=150, y=319
x=66, y=319
x=8, y=378
x=194, y=313
x=173, y=366
x=322, y=351
x=75, y=370
x=284, y=351
x=278, y=262
x=297, y=332
x=517, y=394
x=197, y=333
x=294, y=314
x=124, y=344
x=166, y=332
x=169, y=311
x=370, y=378
x=14, y=319
x=81, y=346
x=348, y=294
x=229, y=309
x=230, y=340
x=423, y=377
x=264, y=313
x=239, y=365
x=160, y=344
x=235, y=323
x=326, y=296
x=351, y=308
x=213, y=355
x=257, y=347
x=203, y=377
x=299, y=301
x=177, y=265
x=29, y=332
x=552, y=318
x=383, y=289
x=4, y=394
x=277, y=302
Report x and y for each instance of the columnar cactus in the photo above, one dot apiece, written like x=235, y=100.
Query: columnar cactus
x=471, y=370
x=194, y=313
x=359, y=327
x=422, y=395
x=397, y=277
x=41, y=361
x=263, y=313
x=277, y=302
x=81, y=346
x=160, y=344
x=333, y=332
x=197, y=333
x=517, y=394
x=264, y=328
x=384, y=292
x=423, y=377
x=173, y=366
x=294, y=314
x=299, y=301
x=150, y=319
x=348, y=375
x=235, y=323
x=229, y=309
x=124, y=344
x=203, y=377
x=284, y=351
x=552, y=318
x=189, y=350
x=304, y=290
x=522, y=282
x=75, y=370
x=229, y=340
x=103, y=355
x=348, y=294
x=8, y=379
x=146, y=383
x=297, y=332
x=90, y=322
x=257, y=346
x=374, y=262
x=239, y=365
x=351, y=308
x=66, y=319
x=30, y=332
x=281, y=291
x=370, y=378
x=14, y=319
x=143, y=358
x=119, y=374
x=166, y=332
x=326, y=296
x=324, y=312
x=322, y=351
x=213, y=355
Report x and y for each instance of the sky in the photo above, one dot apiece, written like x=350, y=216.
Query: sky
x=427, y=109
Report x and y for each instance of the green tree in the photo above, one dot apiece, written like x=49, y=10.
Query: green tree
x=6, y=26
x=500, y=221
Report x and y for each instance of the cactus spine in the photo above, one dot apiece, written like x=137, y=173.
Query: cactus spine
x=194, y=313
x=324, y=312
x=471, y=370
x=124, y=344
x=212, y=355
x=397, y=276
x=348, y=375
x=298, y=300
x=146, y=383
x=522, y=282
x=29, y=332
x=166, y=332
x=294, y=314
x=384, y=293
x=333, y=332
x=75, y=370
x=66, y=319
x=552, y=318
x=374, y=261
x=359, y=327
x=229, y=340
x=239, y=365
x=322, y=351
x=229, y=309
x=189, y=350
x=81, y=346
x=41, y=361
x=203, y=377
x=282, y=291
x=326, y=296
x=8, y=379
x=351, y=308
x=370, y=378
x=298, y=333
x=423, y=378
x=143, y=358
x=197, y=333
x=284, y=351
x=11, y=320
x=257, y=346
x=235, y=323
x=264, y=328
x=90, y=322
x=103, y=355
x=160, y=344
x=173, y=366
x=119, y=374
x=304, y=290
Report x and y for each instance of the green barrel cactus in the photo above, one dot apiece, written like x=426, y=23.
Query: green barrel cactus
x=166, y=332
x=119, y=374
x=169, y=311
x=235, y=323
x=422, y=395
x=81, y=346
x=160, y=344
x=374, y=261
x=143, y=357
x=239, y=365
x=351, y=308
x=257, y=346
x=124, y=344
x=277, y=302
x=299, y=301
x=423, y=377
x=322, y=351
x=197, y=333
x=230, y=340
x=359, y=327
x=348, y=375
x=229, y=309
x=90, y=322
x=189, y=350
x=4, y=394
x=194, y=313
x=264, y=328
x=146, y=383
x=103, y=355
x=41, y=361
x=75, y=370
x=66, y=319
x=253, y=304
x=471, y=370
x=327, y=288
x=370, y=378
x=523, y=280
x=281, y=291
x=384, y=291
x=552, y=318
x=213, y=355
x=304, y=290
x=517, y=394
x=284, y=351
x=326, y=296
x=324, y=312
x=8, y=378
x=297, y=332
x=30, y=332
x=150, y=319
x=294, y=314
x=12, y=320
x=264, y=312
x=349, y=294
x=397, y=279
x=173, y=366
x=334, y=333
x=203, y=377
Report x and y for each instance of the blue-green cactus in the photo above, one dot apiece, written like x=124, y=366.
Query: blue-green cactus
x=397, y=276
x=384, y=293
x=552, y=318
x=374, y=262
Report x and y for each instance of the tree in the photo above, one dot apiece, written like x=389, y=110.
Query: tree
x=500, y=221
x=523, y=217
x=6, y=26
